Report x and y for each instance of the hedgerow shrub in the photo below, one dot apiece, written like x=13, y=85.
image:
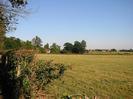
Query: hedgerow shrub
x=22, y=75
x=47, y=71
x=15, y=69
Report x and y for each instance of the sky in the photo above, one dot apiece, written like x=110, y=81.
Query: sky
x=103, y=24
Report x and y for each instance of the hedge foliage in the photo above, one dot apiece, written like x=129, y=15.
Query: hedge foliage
x=47, y=71
x=30, y=76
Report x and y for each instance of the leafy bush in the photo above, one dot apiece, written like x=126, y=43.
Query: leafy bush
x=26, y=76
x=47, y=71
x=15, y=71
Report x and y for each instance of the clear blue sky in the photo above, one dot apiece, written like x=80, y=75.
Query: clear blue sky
x=102, y=23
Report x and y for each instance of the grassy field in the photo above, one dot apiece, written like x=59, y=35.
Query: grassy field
x=94, y=75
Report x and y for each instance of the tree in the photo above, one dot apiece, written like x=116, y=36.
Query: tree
x=68, y=47
x=37, y=42
x=113, y=50
x=9, y=10
x=55, y=48
x=27, y=45
x=77, y=48
x=12, y=43
x=46, y=48
x=130, y=50
x=83, y=44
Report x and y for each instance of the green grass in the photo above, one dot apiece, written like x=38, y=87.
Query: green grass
x=94, y=75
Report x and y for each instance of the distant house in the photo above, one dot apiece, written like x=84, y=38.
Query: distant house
x=47, y=51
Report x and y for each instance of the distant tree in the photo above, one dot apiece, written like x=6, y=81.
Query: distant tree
x=55, y=49
x=98, y=50
x=126, y=50
x=27, y=45
x=37, y=42
x=113, y=50
x=130, y=50
x=68, y=47
x=77, y=48
x=46, y=48
x=83, y=44
x=41, y=50
x=12, y=43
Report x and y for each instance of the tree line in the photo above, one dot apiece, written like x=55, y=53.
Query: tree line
x=111, y=50
x=68, y=48
x=36, y=44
